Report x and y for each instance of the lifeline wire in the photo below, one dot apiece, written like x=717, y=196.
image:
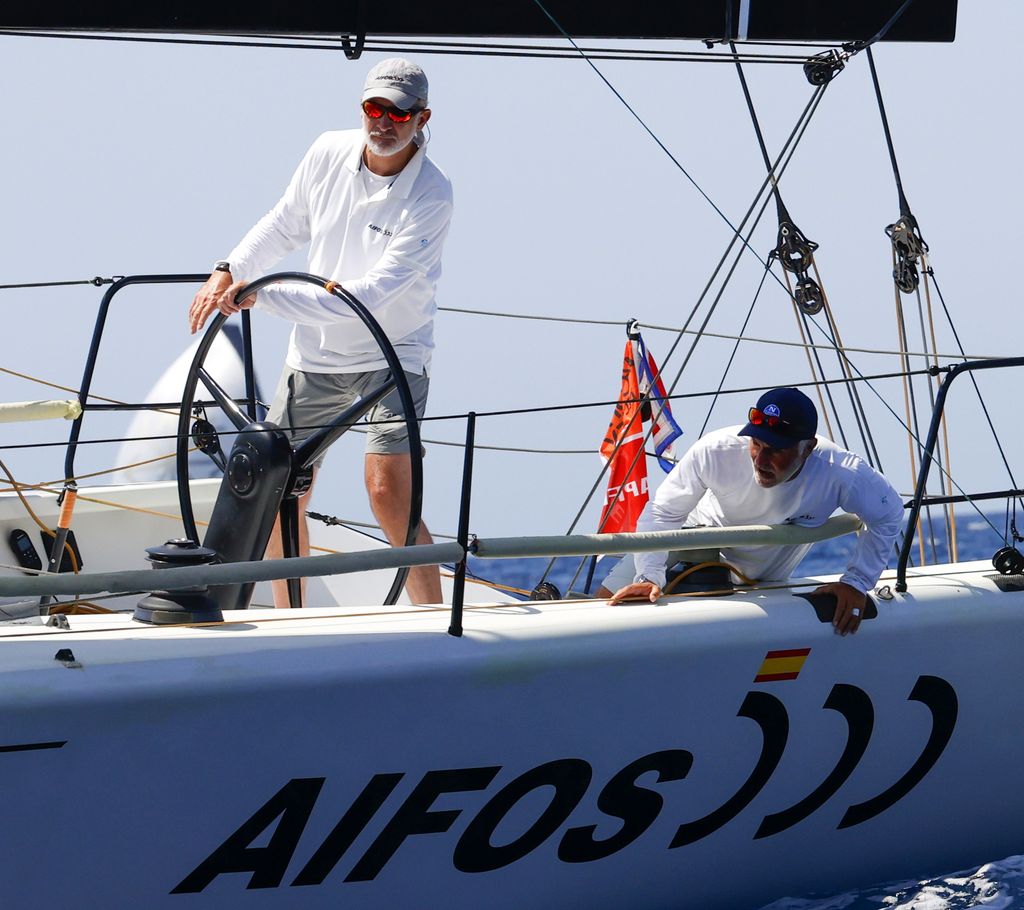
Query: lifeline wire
x=508, y=412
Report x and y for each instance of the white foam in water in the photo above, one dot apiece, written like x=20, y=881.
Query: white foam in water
x=994, y=886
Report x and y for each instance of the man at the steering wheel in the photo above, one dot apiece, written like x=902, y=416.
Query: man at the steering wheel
x=375, y=211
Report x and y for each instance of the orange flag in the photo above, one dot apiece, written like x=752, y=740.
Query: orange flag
x=627, y=489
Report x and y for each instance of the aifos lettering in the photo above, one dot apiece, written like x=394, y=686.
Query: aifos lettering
x=565, y=782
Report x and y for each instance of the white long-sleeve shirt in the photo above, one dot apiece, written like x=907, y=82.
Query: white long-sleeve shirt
x=383, y=245
x=714, y=485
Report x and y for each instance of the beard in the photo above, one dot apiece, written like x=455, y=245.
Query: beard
x=386, y=144
x=774, y=477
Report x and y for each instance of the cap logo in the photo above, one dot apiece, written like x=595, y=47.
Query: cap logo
x=772, y=411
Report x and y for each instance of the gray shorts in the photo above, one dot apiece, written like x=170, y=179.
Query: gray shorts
x=307, y=401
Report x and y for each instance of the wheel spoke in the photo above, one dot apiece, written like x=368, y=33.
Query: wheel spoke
x=235, y=414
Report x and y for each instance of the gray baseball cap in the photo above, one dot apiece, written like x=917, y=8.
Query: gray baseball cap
x=399, y=81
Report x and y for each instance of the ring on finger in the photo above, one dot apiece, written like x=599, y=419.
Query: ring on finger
x=856, y=611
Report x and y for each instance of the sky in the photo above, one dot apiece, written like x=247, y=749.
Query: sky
x=124, y=159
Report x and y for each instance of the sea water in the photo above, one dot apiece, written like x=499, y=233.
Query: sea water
x=997, y=885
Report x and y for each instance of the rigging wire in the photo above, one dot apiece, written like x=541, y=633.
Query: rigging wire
x=974, y=382
x=859, y=412
x=676, y=330
x=851, y=385
x=803, y=320
x=911, y=435
x=908, y=246
x=689, y=395
x=788, y=149
x=791, y=243
x=95, y=282
x=451, y=48
x=735, y=348
x=650, y=132
x=796, y=255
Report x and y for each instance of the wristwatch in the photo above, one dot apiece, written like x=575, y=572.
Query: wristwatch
x=222, y=265
x=641, y=579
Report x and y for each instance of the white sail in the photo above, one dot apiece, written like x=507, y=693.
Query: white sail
x=153, y=432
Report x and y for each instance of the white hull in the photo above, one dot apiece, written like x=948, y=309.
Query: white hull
x=174, y=738
x=115, y=539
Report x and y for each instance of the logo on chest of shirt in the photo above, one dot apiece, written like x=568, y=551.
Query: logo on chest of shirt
x=384, y=232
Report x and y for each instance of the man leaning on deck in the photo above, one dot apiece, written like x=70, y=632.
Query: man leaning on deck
x=375, y=211
x=773, y=470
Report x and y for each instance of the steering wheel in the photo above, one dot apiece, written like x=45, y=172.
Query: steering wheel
x=310, y=449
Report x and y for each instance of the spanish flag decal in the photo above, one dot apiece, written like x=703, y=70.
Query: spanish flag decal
x=780, y=665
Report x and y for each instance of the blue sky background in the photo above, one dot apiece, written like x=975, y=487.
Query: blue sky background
x=127, y=159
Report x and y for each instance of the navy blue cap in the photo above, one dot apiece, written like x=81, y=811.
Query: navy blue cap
x=789, y=418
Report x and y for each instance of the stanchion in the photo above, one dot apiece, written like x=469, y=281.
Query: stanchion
x=459, y=587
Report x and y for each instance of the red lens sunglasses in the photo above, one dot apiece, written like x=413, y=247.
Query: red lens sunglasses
x=759, y=419
x=375, y=111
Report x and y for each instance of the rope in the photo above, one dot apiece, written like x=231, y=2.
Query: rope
x=41, y=524
x=954, y=553
x=929, y=384
x=859, y=413
x=711, y=564
x=74, y=391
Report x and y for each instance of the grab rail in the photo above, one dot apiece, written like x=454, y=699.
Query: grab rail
x=94, y=350
x=928, y=455
x=177, y=578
